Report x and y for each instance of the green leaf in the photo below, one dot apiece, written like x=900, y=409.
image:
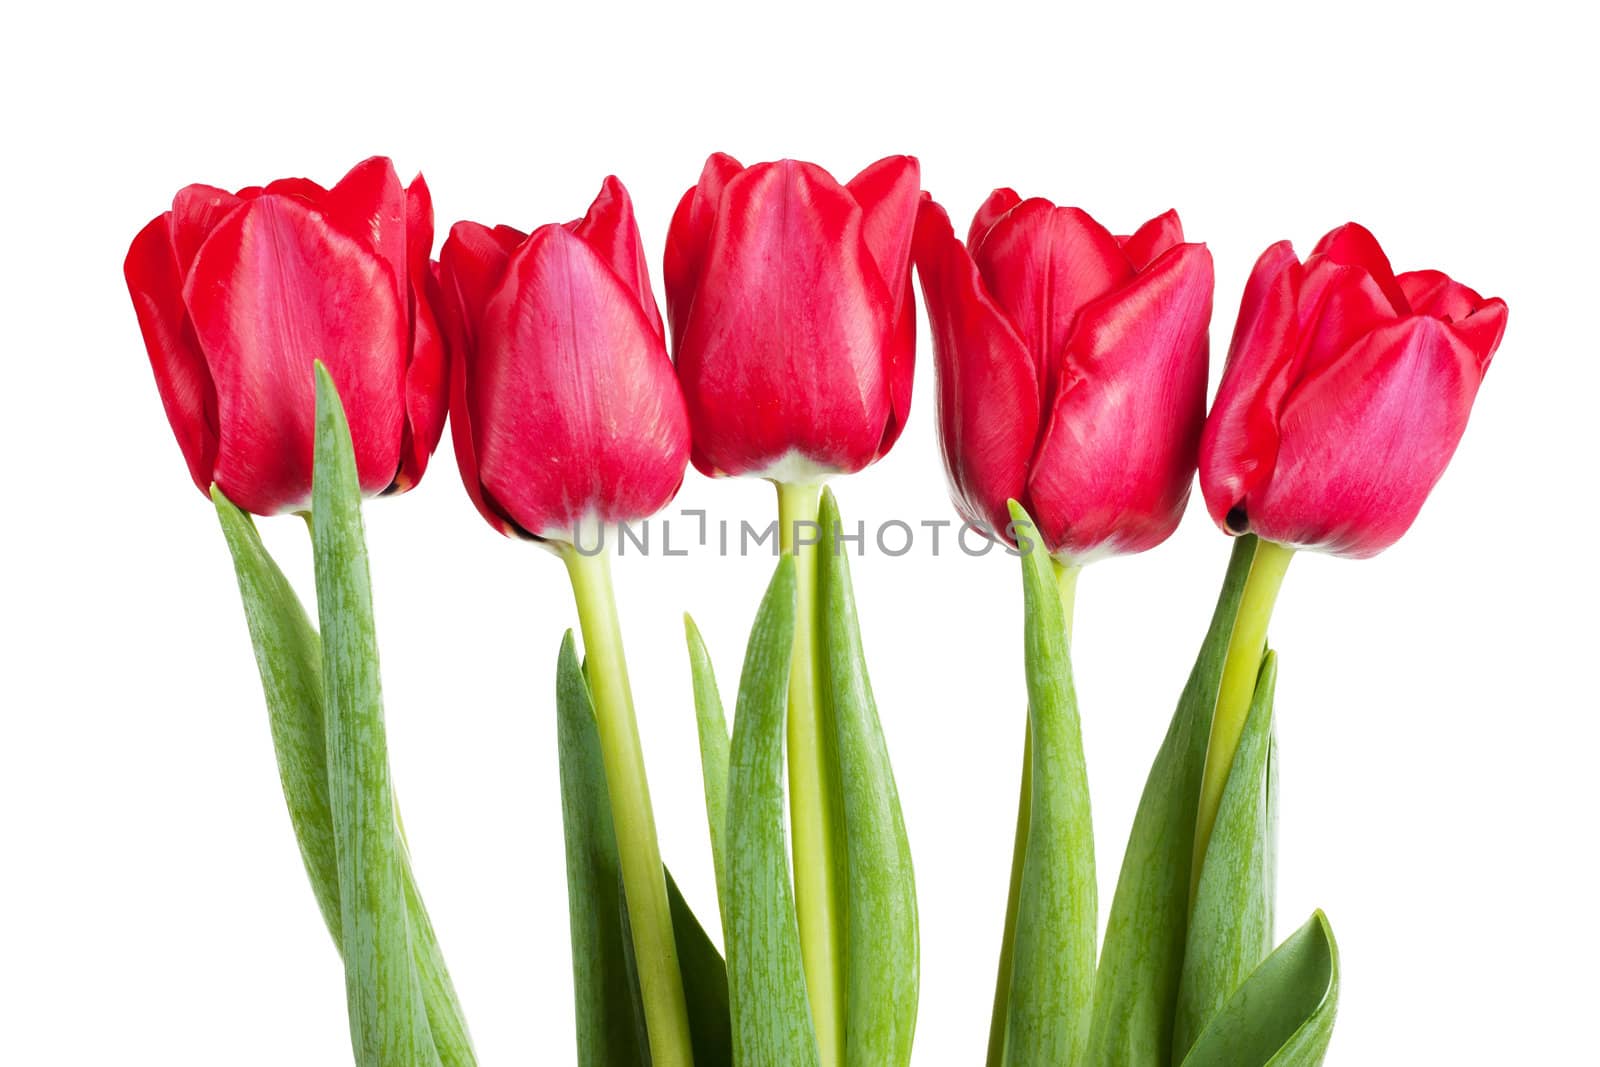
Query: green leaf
x=714, y=744
x=1283, y=1014
x=605, y=996
x=766, y=981
x=881, y=966
x=1136, y=989
x=705, y=984
x=1230, y=927
x=388, y=1023
x=289, y=657
x=1052, y=971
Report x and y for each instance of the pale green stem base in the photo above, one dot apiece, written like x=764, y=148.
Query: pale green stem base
x=1246, y=646
x=813, y=793
x=644, y=885
x=1067, y=583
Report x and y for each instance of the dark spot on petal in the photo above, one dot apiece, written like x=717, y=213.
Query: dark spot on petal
x=1237, y=521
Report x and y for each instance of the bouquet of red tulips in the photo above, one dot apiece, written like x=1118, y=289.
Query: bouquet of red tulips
x=309, y=350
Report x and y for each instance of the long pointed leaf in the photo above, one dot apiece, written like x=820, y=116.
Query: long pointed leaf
x=289, y=657
x=881, y=965
x=766, y=981
x=610, y=1032
x=1141, y=963
x=388, y=1023
x=1230, y=928
x=1052, y=971
x=714, y=744
x=1283, y=1014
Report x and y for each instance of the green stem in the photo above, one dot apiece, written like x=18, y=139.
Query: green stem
x=813, y=788
x=1241, y=664
x=1067, y=583
x=644, y=885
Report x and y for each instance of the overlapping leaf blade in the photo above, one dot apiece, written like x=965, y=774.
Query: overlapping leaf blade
x=766, y=981
x=1136, y=988
x=289, y=657
x=881, y=951
x=388, y=1021
x=1283, y=1014
x=1230, y=927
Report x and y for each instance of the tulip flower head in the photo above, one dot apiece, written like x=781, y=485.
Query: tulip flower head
x=793, y=324
x=238, y=294
x=1346, y=391
x=564, y=409
x=1071, y=370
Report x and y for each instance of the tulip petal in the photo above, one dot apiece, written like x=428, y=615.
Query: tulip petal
x=196, y=210
x=1482, y=330
x=1338, y=304
x=888, y=192
x=369, y=204
x=576, y=411
x=782, y=352
x=1363, y=443
x=611, y=230
x=1146, y=244
x=1241, y=436
x=427, y=372
x=988, y=389
x=155, y=282
x=471, y=265
x=990, y=212
x=1042, y=264
x=689, y=235
x=1118, y=451
x=1353, y=245
x=274, y=288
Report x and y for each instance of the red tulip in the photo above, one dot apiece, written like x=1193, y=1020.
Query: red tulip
x=792, y=318
x=1071, y=367
x=1346, y=391
x=564, y=408
x=238, y=293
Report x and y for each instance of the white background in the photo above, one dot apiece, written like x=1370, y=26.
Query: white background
x=1436, y=710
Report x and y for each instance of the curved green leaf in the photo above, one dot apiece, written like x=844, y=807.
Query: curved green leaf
x=289, y=657
x=881, y=965
x=388, y=1023
x=1136, y=989
x=1282, y=1016
x=713, y=729
x=1052, y=969
x=1230, y=928
x=766, y=981
x=610, y=1023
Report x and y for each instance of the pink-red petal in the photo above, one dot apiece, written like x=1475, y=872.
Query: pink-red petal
x=1146, y=244
x=991, y=211
x=1353, y=245
x=782, y=351
x=987, y=388
x=576, y=410
x=1362, y=445
x=689, y=235
x=1042, y=264
x=427, y=370
x=612, y=231
x=1117, y=456
x=274, y=288
x=155, y=282
x=1241, y=436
